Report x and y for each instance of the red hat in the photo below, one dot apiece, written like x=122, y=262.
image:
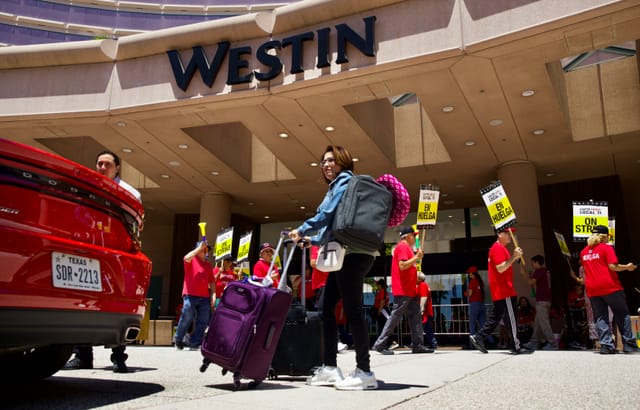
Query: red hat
x=472, y=269
x=265, y=246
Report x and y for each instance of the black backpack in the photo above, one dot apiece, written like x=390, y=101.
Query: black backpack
x=363, y=214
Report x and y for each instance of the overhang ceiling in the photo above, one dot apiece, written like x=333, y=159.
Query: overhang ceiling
x=393, y=118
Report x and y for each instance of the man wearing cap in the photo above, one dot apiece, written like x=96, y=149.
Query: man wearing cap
x=223, y=276
x=198, y=296
x=603, y=287
x=502, y=293
x=405, y=297
x=261, y=268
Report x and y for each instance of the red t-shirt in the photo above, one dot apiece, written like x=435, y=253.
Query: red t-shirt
x=501, y=284
x=403, y=283
x=476, y=291
x=381, y=299
x=198, y=274
x=226, y=276
x=599, y=280
x=318, y=277
x=261, y=268
x=423, y=290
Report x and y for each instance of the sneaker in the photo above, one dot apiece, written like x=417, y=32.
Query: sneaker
x=608, y=350
x=120, y=367
x=531, y=345
x=194, y=348
x=384, y=351
x=342, y=346
x=358, y=380
x=76, y=363
x=627, y=349
x=421, y=349
x=478, y=343
x=522, y=350
x=394, y=346
x=325, y=376
x=549, y=347
x=179, y=345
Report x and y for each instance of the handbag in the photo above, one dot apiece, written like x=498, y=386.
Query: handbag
x=330, y=257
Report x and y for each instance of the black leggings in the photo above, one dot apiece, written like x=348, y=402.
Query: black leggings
x=347, y=284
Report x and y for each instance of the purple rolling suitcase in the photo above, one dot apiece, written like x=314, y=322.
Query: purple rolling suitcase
x=244, y=330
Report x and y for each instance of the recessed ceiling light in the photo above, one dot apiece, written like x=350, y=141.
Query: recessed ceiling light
x=251, y=203
x=495, y=122
x=267, y=217
x=215, y=173
x=528, y=93
x=283, y=135
x=302, y=207
x=313, y=164
x=538, y=132
x=121, y=124
x=469, y=143
x=356, y=159
x=164, y=176
x=329, y=128
x=550, y=174
x=127, y=150
x=460, y=186
x=174, y=163
x=447, y=108
x=449, y=216
x=183, y=146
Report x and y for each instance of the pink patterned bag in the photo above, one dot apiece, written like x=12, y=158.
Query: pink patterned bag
x=401, y=198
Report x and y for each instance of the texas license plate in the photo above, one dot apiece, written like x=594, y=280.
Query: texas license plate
x=75, y=272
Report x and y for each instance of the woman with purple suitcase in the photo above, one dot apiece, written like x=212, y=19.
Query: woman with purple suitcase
x=346, y=283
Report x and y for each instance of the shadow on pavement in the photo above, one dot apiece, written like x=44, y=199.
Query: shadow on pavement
x=73, y=393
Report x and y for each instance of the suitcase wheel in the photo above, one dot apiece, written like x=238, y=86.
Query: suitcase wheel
x=236, y=381
x=205, y=365
x=254, y=383
x=272, y=374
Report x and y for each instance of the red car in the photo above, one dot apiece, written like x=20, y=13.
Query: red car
x=71, y=266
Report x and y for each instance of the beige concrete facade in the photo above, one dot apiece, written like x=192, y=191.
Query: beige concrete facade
x=474, y=56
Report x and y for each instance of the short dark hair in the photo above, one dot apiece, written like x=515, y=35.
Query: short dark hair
x=116, y=158
x=539, y=259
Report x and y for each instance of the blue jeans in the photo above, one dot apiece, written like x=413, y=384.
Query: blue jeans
x=429, y=337
x=197, y=307
x=618, y=305
x=477, y=316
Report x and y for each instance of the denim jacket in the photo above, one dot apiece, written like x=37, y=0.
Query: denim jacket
x=320, y=224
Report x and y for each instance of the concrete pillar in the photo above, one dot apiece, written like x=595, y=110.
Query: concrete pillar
x=215, y=210
x=520, y=183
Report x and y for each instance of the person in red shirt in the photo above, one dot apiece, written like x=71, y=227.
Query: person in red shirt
x=604, y=290
x=405, y=298
x=426, y=307
x=261, y=268
x=223, y=276
x=198, y=296
x=318, y=277
x=379, y=310
x=502, y=293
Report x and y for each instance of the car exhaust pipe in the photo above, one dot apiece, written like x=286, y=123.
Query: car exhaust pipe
x=131, y=334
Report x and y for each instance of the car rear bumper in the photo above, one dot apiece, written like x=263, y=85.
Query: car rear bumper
x=36, y=327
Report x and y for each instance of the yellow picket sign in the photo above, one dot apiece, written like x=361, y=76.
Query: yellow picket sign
x=427, y=206
x=500, y=210
x=243, y=247
x=586, y=215
x=224, y=241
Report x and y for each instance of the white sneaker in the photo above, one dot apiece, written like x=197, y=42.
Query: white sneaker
x=358, y=380
x=341, y=346
x=394, y=346
x=325, y=376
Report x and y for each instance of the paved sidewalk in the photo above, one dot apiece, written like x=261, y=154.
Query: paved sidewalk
x=164, y=378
